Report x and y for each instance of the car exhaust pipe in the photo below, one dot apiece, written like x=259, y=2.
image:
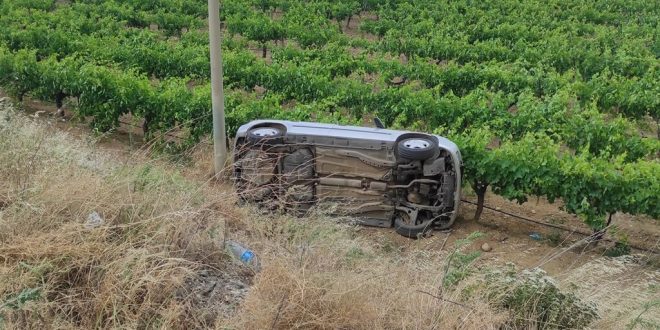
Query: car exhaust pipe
x=353, y=183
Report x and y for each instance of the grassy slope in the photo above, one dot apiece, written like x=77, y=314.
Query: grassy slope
x=159, y=240
x=156, y=260
x=132, y=270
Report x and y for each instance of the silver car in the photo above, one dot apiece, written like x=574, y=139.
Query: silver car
x=387, y=178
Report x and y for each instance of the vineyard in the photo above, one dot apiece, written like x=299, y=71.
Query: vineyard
x=545, y=98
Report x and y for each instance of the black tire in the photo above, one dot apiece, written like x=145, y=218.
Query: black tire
x=406, y=229
x=442, y=225
x=265, y=135
x=417, y=148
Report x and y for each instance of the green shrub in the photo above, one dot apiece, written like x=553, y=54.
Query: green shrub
x=534, y=301
x=620, y=248
x=554, y=238
x=459, y=262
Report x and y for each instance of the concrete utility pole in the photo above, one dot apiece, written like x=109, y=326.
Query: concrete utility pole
x=217, y=90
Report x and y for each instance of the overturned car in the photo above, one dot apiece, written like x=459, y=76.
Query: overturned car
x=382, y=177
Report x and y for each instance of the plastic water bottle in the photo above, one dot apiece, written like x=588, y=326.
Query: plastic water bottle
x=536, y=236
x=243, y=254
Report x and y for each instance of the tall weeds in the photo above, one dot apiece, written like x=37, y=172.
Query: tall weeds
x=132, y=270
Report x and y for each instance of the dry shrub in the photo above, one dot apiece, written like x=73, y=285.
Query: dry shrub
x=284, y=299
x=132, y=270
x=321, y=275
x=295, y=299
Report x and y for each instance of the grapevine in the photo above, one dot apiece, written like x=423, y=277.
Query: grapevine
x=559, y=100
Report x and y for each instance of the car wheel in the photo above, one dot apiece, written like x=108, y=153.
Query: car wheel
x=417, y=148
x=442, y=224
x=265, y=135
x=404, y=227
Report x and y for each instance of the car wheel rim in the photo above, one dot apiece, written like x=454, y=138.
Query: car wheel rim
x=265, y=132
x=405, y=219
x=416, y=144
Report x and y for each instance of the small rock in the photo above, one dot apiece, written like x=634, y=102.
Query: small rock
x=498, y=208
x=533, y=211
x=210, y=288
x=398, y=80
x=38, y=114
x=94, y=220
x=486, y=247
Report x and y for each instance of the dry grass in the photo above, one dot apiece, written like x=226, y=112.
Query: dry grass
x=131, y=271
x=335, y=281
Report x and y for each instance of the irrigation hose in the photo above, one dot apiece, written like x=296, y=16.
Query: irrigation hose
x=571, y=230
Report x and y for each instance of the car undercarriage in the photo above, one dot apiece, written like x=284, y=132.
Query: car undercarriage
x=410, y=183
